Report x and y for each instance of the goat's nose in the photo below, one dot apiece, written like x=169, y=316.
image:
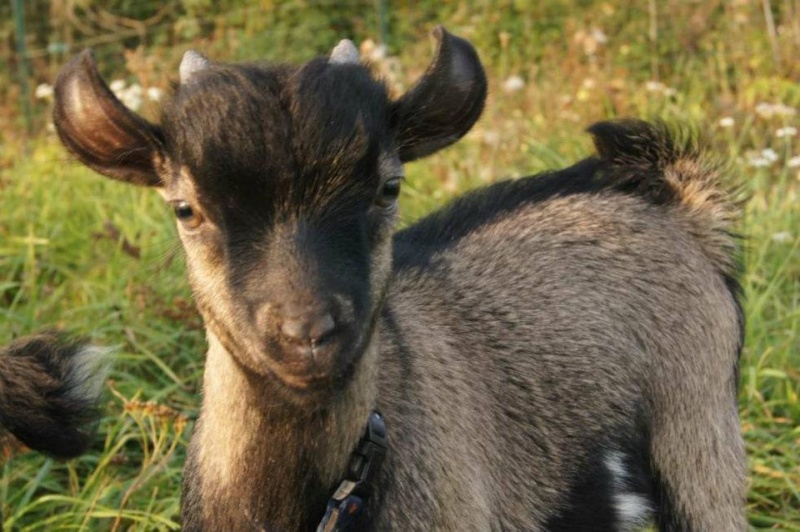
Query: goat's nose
x=308, y=327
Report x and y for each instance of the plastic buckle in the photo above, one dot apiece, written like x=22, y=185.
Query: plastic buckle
x=346, y=504
x=343, y=509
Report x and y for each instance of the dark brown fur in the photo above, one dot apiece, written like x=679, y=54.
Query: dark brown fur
x=49, y=392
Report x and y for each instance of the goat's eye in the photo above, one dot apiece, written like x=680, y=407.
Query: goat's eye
x=186, y=215
x=389, y=192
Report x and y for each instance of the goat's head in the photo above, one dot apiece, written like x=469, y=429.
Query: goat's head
x=284, y=182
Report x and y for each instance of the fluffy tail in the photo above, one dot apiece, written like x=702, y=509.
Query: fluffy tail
x=50, y=387
x=669, y=168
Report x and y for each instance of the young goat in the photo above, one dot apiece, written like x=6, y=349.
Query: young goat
x=49, y=389
x=550, y=353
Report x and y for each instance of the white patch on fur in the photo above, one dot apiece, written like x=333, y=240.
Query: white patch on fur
x=616, y=467
x=633, y=510
x=87, y=372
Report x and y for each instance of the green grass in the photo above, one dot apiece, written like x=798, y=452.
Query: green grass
x=102, y=259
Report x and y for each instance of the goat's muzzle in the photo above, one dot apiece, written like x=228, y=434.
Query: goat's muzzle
x=308, y=343
x=311, y=327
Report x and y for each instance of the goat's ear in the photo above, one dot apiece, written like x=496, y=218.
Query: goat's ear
x=104, y=134
x=445, y=103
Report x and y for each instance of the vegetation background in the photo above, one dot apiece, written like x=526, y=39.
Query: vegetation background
x=100, y=258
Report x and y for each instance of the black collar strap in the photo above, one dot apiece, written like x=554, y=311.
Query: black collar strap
x=347, y=503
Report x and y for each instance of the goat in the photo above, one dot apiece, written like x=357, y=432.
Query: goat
x=50, y=386
x=551, y=353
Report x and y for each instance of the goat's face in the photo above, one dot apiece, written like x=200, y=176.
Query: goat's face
x=284, y=183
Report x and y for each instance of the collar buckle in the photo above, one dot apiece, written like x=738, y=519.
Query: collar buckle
x=347, y=502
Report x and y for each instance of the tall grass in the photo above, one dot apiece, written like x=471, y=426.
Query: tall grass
x=101, y=258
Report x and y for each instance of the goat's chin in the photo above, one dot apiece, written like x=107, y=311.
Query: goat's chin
x=306, y=378
x=309, y=390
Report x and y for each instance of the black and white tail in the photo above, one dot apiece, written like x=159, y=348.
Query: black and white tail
x=50, y=386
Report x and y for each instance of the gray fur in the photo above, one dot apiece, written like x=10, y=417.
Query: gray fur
x=541, y=337
x=511, y=341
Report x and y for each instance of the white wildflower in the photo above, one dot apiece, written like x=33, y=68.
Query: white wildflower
x=782, y=236
x=786, y=132
x=44, y=92
x=591, y=40
x=658, y=87
x=492, y=138
x=784, y=110
x=794, y=162
x=758, y=162
x=767, y=110
x=654, y=86
x=513, y=84
x=727, y=122
x=769, y=154
x=762, y=159
x=131, y=96
x=117, y=86
x=379, y=53
x=599, y=36
x=372, y=51
x=154, y=94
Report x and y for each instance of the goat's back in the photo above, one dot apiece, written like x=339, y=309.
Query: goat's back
x=545, y=332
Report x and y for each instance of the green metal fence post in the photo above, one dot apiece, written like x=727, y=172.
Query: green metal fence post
x=383, y=22
x=19, y=24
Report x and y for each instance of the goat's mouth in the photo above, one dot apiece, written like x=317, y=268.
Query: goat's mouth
x=317, y=367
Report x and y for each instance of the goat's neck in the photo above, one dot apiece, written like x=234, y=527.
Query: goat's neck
x=261, y=465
